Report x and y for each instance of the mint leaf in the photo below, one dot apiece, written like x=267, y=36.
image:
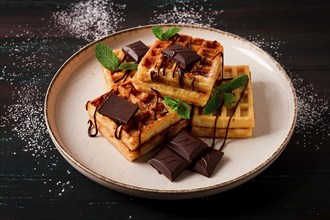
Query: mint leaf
x=183, y=110
x=178, y=106
x=158, y=32
x=214, y=103
x=172, y=103
x=106, y=57
x=234, y=83
x=228, y=99
x=128, y=66
x=161, y=35
x=223, y=93
x=170, y=33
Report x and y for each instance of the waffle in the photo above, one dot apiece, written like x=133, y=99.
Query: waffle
x=115, y=78
x=133, y=52
x=242, y=121
x=195, y=84
x=149, y=126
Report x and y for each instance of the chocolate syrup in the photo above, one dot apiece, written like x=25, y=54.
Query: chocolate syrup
x=232, y=114
x=157, y=99
x=118, y=136
x=124, y=76
x=91, y=124
x=193, y=84
x=181, y=74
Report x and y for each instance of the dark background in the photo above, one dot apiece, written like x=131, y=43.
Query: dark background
x=37, y=183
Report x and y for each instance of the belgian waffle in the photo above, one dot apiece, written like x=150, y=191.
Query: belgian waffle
x=133, y=52
x=192, y=87
x=150, y=125
x=115, y=78
x=242, y=121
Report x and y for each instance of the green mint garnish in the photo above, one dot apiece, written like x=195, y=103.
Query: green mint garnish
x=128, y=66
x=109, y=60
x=223, y=93
x=178, y=106
x=161, y=35
x=214, y=102
x=234, y=84
x=106, y=57
x=228, y=98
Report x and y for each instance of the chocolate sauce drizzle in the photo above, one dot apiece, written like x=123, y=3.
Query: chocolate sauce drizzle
x=232, y=114
x=124, y=76
x=157, y=100
x=91, y=124
x=118, y=136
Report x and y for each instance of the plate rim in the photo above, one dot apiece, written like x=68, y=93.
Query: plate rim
x=158, y=193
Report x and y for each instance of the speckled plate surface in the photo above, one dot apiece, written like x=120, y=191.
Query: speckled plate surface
x=80, y=79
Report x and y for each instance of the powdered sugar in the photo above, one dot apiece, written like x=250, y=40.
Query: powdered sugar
x=183, y=12
x=90, y=20
x=313, y=110
x=37, y=58
x=313, y=114
x=270, y=45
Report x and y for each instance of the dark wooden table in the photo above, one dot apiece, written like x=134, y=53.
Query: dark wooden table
x=36, y=37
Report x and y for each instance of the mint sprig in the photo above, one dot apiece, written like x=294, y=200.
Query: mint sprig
x=128, y=66
x=109, y=60
x=161, y=35
x=223, y=94
x=178, y=106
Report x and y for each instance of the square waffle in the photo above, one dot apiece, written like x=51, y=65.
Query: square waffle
x=132, y=52
x=115, y=78
x=151, y=124
x=156, y=71
x=242, y=121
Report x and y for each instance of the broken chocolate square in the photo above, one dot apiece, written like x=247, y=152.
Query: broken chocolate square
x=181, y=55
x=118, y=109
x=208, y=162
x=188, y=146
x=169, y=163
x=136, y=50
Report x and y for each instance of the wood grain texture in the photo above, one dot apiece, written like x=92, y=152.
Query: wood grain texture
x=37, y=183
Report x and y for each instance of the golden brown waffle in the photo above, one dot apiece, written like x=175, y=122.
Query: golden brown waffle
x=149, y=126
x=197, y=82
x=115, y=78
x=241, y=123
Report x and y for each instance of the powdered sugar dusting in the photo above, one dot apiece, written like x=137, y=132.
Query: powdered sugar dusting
x=270, y=45
x=37, y=56
x=313, y=114
x=183, y=12
x=90, y=20
x=313, y=110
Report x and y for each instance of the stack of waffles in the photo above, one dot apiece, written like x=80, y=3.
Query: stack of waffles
x=241, y=115
x=183, y=68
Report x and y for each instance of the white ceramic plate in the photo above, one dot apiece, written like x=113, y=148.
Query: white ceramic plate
x=80, y=79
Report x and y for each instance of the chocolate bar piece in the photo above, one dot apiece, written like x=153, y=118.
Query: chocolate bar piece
x=183, y=56
x=136, y=50
x=169, y=163
x=118, y=109
x=208, y=162
x=188, y=146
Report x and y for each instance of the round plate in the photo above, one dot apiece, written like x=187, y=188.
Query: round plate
x=80, y=79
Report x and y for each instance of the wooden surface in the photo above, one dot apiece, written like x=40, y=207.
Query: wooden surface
x=37, y=183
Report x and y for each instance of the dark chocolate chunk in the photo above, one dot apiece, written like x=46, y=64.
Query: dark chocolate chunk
x=136, y=50
x=183, y=56
x=188, y=146
x=208, y=162
x=169, y=163
x=118, y=109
